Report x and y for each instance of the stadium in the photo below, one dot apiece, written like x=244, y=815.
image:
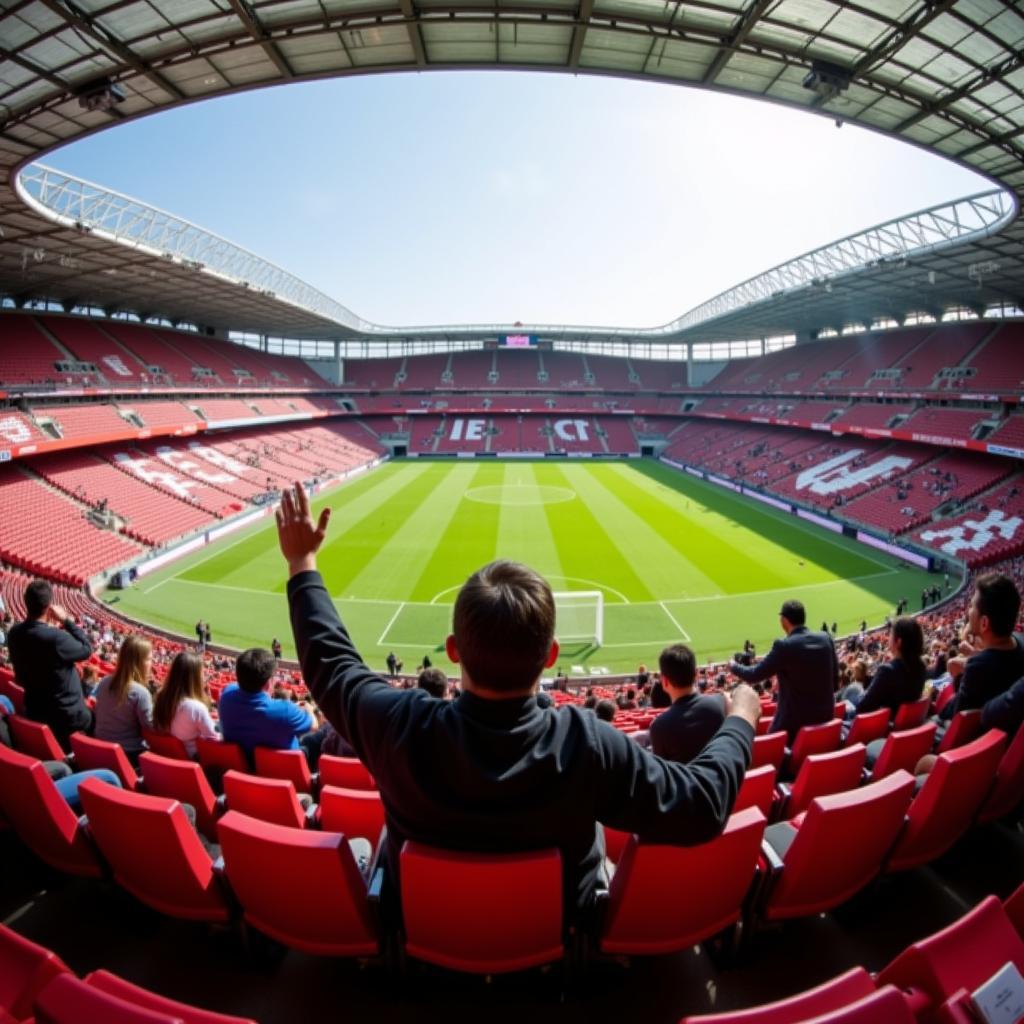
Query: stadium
x=844, y=428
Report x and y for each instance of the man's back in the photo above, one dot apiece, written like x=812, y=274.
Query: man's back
x=683, y=731
x=258, y=720
x=987, y=674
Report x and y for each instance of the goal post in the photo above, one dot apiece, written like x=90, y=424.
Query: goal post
x=579, y=617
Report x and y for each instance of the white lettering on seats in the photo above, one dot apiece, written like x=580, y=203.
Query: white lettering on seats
x=982, y=531
x=834, y=475
x=141, y=468
x=116, y=363
x=14, y=430
x=182, y=462
x=572, y=430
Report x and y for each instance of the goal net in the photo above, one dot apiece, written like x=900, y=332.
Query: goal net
x=579, y=617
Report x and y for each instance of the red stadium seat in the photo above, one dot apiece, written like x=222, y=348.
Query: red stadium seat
x=946, y=694
x=819, y=775
x=886, y=1006
x=482, y=913
x=92, y=753
x=41, y=817
x=758, y=790
x=112, y=985
x=1008, y=791
x=848, y=988
x=834, y=850
x=769, y=749
x=902, y=750
x=34, y=739
x=814, y=739
x=219, y=756
x=336, y=921
x=1014, y=907
x=67, y=1000
x=911, y=714
x=648, y=912
x=184, y=781
x=614, y=843
x=355, y=812
x=164, y=744
x=25, y=969
x=154, y=852
x=284, y=764
x=272, y=800
x=14, y=693
x=345, y=772
x=947, y=802
x=963, y=727
x=865, y=728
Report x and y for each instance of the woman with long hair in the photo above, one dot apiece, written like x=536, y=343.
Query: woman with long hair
x=901, y=679
x=182, y=707
x=124, y=706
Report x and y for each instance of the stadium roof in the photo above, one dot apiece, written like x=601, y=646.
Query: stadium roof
x=944, y=74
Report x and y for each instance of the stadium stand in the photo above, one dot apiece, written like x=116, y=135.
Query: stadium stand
x=83, y=420
x=996, y=365
x=946, y=348
x=89, y=343
x=29, y=356
x=946, y=423
x=871, y=415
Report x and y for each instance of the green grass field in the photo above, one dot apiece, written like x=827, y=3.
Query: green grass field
x=674, y=557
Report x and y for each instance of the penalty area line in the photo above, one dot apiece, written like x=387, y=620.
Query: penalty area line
x=391, y=622
x=675, y=622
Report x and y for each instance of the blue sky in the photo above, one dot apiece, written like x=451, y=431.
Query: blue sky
x=468, y=197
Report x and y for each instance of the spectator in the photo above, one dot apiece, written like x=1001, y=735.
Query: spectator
x=434, y=681
x=605, y=710
x=250, y=717
x=275, y=648
x=683, y=731
x=124, y=705
x=503, y=774
x=181, y=706
x=898, y=681
x=90, y=680
x=1006, y=711
x=44, y=649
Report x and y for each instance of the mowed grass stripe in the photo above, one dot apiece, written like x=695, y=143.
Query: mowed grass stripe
x=524, y=531
x=588, y=551
x=468, y=542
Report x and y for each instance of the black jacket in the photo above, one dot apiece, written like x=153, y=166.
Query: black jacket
x=683, y=731
x=891, y=686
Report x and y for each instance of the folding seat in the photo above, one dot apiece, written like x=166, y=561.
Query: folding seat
x=482, y=913
x=14, y=693
x=336, y=921
x=25, y=969
x=666, y=898
x=865, y=728
x=112, y=985
x=901, y=750
x=184, y=781
x=819, y=775
x=219, y=756
x=355, y=812
x=164, y=744
x=842, y=991
x=963, y=955
x=947, y=802
x=285, y=764
x=34, y=739
x=1008, y=791
x=758, y=790
x=886, y=1006
x=945, y=696
x=272, y=800
x=963, y=727
x=67, y=1000
x=154, y=852
x=911, y=714
x=769, y=749
x=840, y=709
x=345, y=772
x=1014, y=907
x=92, y=753
x=814, y=739
x=41, y=816
x=822, y=858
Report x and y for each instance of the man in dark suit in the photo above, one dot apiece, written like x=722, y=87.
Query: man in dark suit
x=683, y=731
x=807, y=671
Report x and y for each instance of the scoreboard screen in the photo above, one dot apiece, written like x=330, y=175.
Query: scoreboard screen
x=518, y=341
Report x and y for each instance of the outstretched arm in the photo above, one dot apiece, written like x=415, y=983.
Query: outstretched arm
x=299, y=537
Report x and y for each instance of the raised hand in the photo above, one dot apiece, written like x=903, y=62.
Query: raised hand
x=298, y=537
x=743, y=701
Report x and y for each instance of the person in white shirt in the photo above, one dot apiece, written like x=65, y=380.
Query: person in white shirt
x=181, y=707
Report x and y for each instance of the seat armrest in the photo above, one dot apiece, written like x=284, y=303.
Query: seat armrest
x=313, y=816
x=220, y=806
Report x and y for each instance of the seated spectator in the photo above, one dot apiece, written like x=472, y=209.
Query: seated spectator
x=1006, y=711
x=250, y=717
x=434, y=681
x=605, y=710
x=181, y=706
x=124, y=706
x=898, y=681
x=683, y=731
x=90, y=680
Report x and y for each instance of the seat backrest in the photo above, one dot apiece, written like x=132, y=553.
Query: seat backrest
x=25, y=969
x=482, y=913
x=821, y=774
x=221, y=755
x=886, y=1006
x=272, y=800
x=855, y=984
x=284, y=764
x=963, y=727
x=946, y=694
x=911, y=714
x=181, y=780
x=153, y=851
x=902, y=750
x=839, y=847
x=963, y=955
x=67, y=1000
x=113, y=985
x=93, y=753
x=356, y=812
x=871, y=726
x=758, y=790
x=947, y=802
x=769, y=749
x=652, y=909
x=14, y=693
x=614, y=843
x=815, y=739
x=1008, y=790
x=337, y=922
x=42, y=817
x=1014, y=907
x=34, y=739
x=164, y=744
x=345, y=772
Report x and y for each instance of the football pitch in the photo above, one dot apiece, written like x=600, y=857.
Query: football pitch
x=675, y=558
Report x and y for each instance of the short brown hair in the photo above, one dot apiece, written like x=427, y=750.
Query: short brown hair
x=678, y=665
x=504, y=625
